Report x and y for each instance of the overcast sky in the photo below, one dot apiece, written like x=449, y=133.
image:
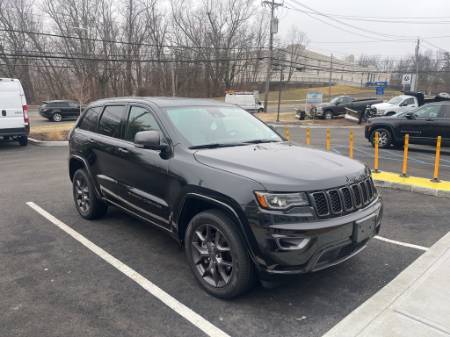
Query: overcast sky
x=318, y=32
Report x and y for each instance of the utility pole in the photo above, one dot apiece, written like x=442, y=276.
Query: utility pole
x=172, y=71
x=331, y=77
x=280, y=87
x=273, y=5
x=416, y=86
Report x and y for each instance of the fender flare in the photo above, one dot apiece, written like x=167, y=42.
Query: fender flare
x=88, y=170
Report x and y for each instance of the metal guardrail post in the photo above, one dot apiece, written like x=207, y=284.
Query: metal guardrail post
x=287, y=134
x=405, y=157
x=437, y=160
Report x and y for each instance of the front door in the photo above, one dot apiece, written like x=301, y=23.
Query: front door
x=444, y=123
x=144, y=174
x=422, y=128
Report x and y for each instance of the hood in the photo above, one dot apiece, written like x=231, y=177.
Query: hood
x=325, y=104
x=384, y=106
x=284, y=167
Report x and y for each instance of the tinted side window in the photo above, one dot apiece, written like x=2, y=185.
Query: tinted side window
x=409, y=101
x=428, y=111
x=89, y=121
x=139, y=119
x=445, y=112
x=111, y=121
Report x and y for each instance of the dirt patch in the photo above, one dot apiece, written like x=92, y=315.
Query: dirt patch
x=51, y=131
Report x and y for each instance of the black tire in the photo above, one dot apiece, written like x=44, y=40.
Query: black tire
x=391, y=113
x=328, y=114
x=233, y=269
x=385, y=138
x=261, y=110
x=23, y=140
x=57, y=117
x=86, y=201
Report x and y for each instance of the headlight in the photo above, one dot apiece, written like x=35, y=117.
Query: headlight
x=278, y=201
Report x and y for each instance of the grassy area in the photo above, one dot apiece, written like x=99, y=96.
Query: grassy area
x=51, y=131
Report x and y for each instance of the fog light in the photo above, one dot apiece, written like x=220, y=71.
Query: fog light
x=291, y=243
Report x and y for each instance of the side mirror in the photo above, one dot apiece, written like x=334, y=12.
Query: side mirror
x=149, y=140
x=410, y=115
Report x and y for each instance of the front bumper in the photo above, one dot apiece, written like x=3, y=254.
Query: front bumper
x=326, y=242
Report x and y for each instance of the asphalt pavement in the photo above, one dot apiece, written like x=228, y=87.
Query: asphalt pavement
x=51, y=285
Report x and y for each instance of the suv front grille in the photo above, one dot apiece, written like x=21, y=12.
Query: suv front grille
x=339, y=201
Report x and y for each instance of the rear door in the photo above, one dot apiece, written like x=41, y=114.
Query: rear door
x=11, y=105
x=444, y=123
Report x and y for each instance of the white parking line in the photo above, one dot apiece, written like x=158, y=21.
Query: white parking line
x=400, y=243
x=197, y=320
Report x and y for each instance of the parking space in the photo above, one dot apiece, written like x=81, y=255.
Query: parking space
x=55, y=286
x=420, y=160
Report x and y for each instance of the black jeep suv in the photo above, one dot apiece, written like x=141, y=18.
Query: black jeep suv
x=244, y=202
x=58, y=110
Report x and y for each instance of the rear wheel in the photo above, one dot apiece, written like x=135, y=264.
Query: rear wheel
x=86, y=201
x=384, y=138
x=23, y=140
x=56, y=117
x=391, y=113
x=218, y=256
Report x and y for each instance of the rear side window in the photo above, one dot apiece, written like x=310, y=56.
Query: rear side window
x=90, y=118
x=139, y=119
x=111, y=121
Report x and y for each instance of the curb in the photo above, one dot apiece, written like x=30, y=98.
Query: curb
x=301, y=126
x=368, y=318
x=53, y=143
x=412, y=188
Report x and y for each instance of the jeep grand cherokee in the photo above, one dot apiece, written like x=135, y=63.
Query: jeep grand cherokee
x=244, y=202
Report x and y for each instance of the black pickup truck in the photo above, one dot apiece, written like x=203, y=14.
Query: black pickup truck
x=338, y=105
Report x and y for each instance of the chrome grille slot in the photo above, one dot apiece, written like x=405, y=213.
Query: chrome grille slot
x=357, y=195
x=365, y=197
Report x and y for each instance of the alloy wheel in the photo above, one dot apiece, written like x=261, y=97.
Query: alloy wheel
x=82, y=197
x=57, y=117
x=211, y=255
x=383, y=138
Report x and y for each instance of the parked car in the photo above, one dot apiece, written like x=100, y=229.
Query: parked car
x=246, y=100
x=14, y=119
x=244, y=202
x=404, y=103
x=423, y=125
x=58, y=110
x=338, y=105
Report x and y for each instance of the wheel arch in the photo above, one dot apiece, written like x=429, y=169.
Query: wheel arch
x=194, y=203
x=388, y=127
x=76, y=163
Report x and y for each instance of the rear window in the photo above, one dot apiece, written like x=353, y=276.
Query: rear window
x=90, y=118
x=111, y=121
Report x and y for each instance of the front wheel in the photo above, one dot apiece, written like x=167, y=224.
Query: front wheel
x=328, y=115
x=86, y=201
x=384, y=138
x=218, y=256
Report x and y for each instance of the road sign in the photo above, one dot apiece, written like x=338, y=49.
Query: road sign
x=380, y=90
x=314, y=98
x=406, y=79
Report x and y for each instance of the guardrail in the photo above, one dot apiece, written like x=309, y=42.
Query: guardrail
x=376, y=142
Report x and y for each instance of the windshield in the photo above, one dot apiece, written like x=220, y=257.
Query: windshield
x=396, y=100
x=335, y=100
x=209, y=125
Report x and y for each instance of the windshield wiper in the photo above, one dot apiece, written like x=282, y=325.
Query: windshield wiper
x=260, y=141
x=215, y=145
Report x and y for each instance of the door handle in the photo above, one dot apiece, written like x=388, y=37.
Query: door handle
x=123, y=150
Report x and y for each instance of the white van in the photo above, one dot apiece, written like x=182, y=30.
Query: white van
x=246, y=100
x=14, y=119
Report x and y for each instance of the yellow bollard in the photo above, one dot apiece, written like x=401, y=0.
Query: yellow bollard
x=308, y=136
x=350, y=145
x=376, y=142
x=405, y=157
x=437, y=160
x=286, y=134
x=328, y=140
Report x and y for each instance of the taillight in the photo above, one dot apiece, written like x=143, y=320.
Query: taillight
x=26, y=117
